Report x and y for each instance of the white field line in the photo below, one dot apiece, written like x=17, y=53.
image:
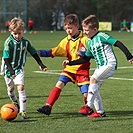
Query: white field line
x=57, y=72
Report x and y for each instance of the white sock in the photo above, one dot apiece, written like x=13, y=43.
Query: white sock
x=98, y=104
x=12, y=96
x=22, y=100
x=92, y=92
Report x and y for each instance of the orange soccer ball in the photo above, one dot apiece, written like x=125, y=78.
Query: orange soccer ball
x=9, y=112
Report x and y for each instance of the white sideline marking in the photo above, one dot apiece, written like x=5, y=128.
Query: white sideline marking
x=57, y=72
x=48, y=72
x=120, y=78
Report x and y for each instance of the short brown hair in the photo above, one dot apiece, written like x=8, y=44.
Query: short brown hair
x=71, y=19
x=16, y=24
x=91, y=21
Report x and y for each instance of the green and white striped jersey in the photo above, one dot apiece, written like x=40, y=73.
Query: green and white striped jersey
x=16, y=52
x=100, y=47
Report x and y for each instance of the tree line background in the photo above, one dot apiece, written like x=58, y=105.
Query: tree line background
x=41, y=11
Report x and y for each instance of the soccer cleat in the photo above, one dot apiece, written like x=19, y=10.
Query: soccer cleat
x=85, y=110
x=89, y=113
x=23, y=115
x=17, y=105
x=95, y=115
x=45, y=110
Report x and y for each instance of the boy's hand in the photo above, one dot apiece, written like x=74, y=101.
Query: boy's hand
x=131, y=61
x=13, y=76
x=12, y=73
x=80, y=53
x=43, y=68
x=39, y=53
x=65, y=62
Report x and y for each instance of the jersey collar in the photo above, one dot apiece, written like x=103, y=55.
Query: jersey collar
x=14, y=40
x=94, y=35
x=74, y=38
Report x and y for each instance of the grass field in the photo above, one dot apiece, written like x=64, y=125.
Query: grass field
x=116, y=92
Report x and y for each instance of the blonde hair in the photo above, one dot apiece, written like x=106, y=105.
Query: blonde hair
x=91, y=21
x=16, y=24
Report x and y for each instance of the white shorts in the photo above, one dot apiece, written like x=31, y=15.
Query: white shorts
x=103, y=73
x=18, y=80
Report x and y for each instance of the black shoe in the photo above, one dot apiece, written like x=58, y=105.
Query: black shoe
x=45, y=110
x=90, y=112
x=103, y=114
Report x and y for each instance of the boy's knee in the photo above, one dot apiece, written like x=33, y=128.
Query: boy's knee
x=93, y=88
x=84, y=88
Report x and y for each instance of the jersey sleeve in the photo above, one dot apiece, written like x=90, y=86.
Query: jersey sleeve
x=45, y=53
x=88, y=52
x=107, y=39
x=60, y=50
x=6, y=52
x=111, y=40
x=31, y=49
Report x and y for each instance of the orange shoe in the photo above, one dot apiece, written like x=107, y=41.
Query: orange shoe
x=84, y=110
x=95, y=115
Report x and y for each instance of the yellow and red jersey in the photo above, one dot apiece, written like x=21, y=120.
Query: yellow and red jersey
x=68, y=48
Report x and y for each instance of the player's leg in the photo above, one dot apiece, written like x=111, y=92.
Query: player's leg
x=99, y=76
x=54, y=95
x=22, y=101
x=10, y=90
x=84, y=91
x=98, y=107
x=97, y=102
x=86, y=109
x=83, y=81
x=19, y=81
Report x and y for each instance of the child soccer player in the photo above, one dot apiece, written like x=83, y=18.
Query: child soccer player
x=100, y=47
x=124, y=26
x=14, y=58
x=69, y=47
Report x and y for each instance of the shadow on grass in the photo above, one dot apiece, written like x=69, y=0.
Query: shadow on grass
x=48, y=95
x=26, y=120
x=67, y=115
x=116, y=115
x=61, y=115
x=4, y=98
x=111, y=115
x=119, y=113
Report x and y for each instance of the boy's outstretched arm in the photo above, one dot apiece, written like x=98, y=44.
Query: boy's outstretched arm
x=82, y=60
x=44, y=53
x=124, y=49
x=38, y=60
